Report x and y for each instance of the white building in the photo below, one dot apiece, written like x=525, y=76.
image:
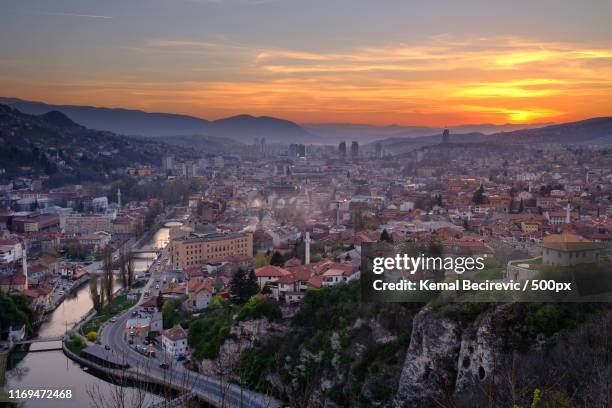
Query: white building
x=174, y=341
x=99, y=204
x=335, y=276
x=10, y=251
x=568, y=250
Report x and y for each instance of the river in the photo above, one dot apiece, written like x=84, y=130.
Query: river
x=52, y=369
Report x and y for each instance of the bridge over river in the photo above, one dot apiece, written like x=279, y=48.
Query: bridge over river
x=39, y=340
x=146, y=250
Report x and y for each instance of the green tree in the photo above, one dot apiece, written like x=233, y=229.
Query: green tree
x=160, y=300
x=243, y=286
x=277, y=259
x=478, y=197
x=15, y=311
x=173, y=313
x=261, y=260
x=385, y=236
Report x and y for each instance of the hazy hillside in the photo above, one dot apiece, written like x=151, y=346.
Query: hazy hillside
x=596, y=131
x=243, y=128
x=367, y=133
x=52, y=144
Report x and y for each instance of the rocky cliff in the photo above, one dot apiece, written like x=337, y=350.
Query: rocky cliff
x=506, y=355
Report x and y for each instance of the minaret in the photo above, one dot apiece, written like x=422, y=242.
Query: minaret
x=307, y=249
x=118, y=197
x=445, y=136
x=567, y=214
x=24, y=265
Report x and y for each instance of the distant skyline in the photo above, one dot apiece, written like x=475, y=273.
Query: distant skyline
x=440, y=63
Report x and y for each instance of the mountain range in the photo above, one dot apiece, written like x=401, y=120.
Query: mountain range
x=242, y=128
x=367, y=133
x=53, y=145
x=588, y=132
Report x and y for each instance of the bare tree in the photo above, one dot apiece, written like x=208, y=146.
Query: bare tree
x=123, y=273
x=130, y=268
x=96, y=293
x=107, y=273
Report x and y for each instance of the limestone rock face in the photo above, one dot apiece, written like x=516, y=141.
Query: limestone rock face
x=480, y=352
x=446, y=357
x=243, y=337
x=431, y=361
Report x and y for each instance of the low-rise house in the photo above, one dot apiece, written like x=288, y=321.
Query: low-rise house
x=36, y=273
x=173, y=292
x=269, y=273
x=96, y=240
x=199, y=295
x=174, y=341
x=338, y=275
x=50, y=264
x=569, y=249
x=157, y=323
x=149, y=305
x=13, y=283
x=194, y=273
x=39, y=296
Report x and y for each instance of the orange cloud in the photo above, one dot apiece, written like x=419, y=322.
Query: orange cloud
x=442, y=81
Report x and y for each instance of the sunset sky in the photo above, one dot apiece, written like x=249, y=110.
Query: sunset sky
x=379, y=62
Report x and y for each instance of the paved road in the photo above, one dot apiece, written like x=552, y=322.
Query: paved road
x=207, y=388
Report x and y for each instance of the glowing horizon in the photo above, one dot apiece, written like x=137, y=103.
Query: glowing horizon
x=439, y=80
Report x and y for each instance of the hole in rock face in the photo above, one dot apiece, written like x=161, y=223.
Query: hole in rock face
x=481, y=373
x=466, y=362
x=427, y=372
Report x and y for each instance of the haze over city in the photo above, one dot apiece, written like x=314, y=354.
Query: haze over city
x=435, y=64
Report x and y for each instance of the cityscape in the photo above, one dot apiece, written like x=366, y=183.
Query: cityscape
x=187, y=232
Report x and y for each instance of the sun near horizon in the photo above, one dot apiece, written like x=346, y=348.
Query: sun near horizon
x=314, y=62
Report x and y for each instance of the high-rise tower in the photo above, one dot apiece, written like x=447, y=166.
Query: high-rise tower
x=342, y=150
x=354, y=151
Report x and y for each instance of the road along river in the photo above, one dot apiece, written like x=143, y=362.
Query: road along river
x=52, y=369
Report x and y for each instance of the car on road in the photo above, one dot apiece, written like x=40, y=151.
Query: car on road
x=156, y=286
x=107, y=347
x=164, y=365
x=113, y=319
